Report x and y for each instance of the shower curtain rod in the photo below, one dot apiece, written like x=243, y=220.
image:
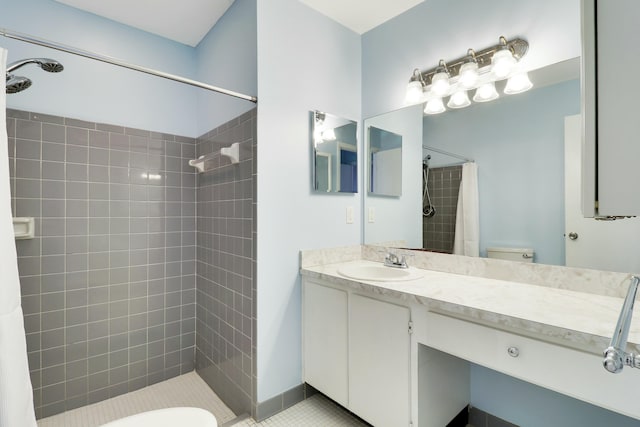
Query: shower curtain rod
x=446, y=153
x=117, y=62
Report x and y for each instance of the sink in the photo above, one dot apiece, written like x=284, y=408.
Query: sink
x=379, y=273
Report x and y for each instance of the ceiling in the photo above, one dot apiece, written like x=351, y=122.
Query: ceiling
x=188, y=21
x=361, y=15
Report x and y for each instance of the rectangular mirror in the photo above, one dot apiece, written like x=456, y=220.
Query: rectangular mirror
x=384, y=154
x=334, y=147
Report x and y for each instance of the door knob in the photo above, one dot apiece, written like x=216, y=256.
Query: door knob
x=573, y=235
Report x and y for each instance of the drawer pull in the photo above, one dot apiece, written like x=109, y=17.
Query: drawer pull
x=513, y=351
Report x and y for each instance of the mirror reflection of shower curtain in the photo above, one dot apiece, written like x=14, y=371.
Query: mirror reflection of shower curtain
x=467, y=232
x=16, y=395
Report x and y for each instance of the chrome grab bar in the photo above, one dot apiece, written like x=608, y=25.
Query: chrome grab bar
x=615, y=356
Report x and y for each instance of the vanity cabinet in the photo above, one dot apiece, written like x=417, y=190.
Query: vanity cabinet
x=379, y=360
x=324, y=340
x=610, y=98
x=356, y=350
x=561, y=369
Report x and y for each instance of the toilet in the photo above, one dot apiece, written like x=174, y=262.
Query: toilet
x=168, y=417
x=511, y=254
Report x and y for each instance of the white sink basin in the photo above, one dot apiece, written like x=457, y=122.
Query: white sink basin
x=379, y=273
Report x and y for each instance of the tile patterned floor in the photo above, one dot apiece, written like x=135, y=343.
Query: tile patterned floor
x=191, y=390
x=185, y=390
x=316, y=411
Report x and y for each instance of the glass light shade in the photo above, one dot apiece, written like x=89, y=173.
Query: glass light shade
x=518, y=83
x=434, y=106
x=440, y=83
x=468, y=75
x=502, y=63
x=329, y=135
x=460, y=99
x=414, y=92
x=486, y=92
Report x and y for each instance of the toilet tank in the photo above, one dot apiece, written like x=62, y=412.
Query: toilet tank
x=511, y=254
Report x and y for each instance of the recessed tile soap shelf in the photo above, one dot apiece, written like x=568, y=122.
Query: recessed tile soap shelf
x=24, y=228
x=204, y=164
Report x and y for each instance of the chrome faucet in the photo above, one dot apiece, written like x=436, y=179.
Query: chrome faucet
x=392, y=260
x=615, y=356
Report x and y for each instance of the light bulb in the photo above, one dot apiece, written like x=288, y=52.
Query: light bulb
x=434, y=106
x=468, y=75
x=414, y=92
x=518, y=83
x=502, y=63
x=440, y=83
x=460, y=99
x=329, y=135
x=486, y=92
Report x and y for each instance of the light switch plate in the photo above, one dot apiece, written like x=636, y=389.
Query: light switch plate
x=349, y=214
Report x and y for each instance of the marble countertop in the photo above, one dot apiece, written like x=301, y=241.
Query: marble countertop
x=584, y=321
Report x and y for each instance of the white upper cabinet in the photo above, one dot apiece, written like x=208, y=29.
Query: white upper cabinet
x=610, y=96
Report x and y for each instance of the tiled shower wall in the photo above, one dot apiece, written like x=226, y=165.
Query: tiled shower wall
x=226, y=265
x=438, y=232
x=108, y=283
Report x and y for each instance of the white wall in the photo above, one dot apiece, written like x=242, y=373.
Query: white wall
x=391, y=223
x=227, y=57
x=445, y=29
x=305, y=62
x=94, y=91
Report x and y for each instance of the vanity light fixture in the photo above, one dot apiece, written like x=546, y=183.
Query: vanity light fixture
x=434, y=106
x=477, y=70
x=460, y=99
x=440, y=81
x=502, y=62
x=469, y=70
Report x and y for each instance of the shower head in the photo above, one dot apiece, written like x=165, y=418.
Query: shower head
x=17, y=84
x=425, y=161
x=49, y=65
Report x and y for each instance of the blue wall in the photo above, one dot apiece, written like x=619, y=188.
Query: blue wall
x=100, y=92
x=518, y=144
x=445, y=29
x=306, y=62
x=227, y=57
x=94, y=91
x=527, y=405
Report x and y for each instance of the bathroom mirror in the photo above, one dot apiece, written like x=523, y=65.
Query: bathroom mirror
x=384, y=162
x=517, y=143
x=334, y=148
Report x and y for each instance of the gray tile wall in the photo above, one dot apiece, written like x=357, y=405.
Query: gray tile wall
x=226, y=265
x=438, y=232
x=108, y=283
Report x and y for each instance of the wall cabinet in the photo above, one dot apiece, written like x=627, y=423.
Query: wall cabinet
x=610, y=99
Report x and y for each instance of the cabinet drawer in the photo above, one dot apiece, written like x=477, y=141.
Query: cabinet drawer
x=571, y=372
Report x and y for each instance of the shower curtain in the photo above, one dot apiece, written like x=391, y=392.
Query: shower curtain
x=16, y=395
x=467, y=231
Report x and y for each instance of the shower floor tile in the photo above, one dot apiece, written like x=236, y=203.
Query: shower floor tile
x=185, y=390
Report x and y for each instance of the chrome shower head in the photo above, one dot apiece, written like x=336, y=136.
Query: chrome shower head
x=17, y=84
x=47, y=64
x=425, y=161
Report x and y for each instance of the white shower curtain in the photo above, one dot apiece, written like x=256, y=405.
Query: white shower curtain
x=16, y=395
x=467, y=233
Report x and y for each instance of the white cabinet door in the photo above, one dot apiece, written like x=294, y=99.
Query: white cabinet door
x=379, y=362
x=610, y=96
x=325, y=340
